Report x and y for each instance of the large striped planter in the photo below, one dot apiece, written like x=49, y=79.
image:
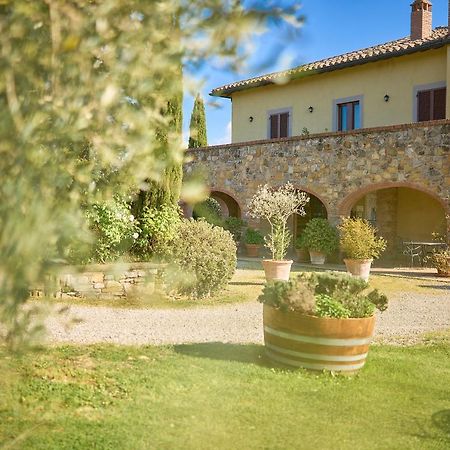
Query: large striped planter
x=296, y=340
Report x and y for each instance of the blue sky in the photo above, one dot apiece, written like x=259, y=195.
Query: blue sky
x=331, y=27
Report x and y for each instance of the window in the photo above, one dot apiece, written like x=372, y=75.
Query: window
x=431, y=104
x=279, y=124
x=349, y=116
x=348, y=113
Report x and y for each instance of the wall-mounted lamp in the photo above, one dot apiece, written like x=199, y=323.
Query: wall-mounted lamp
x=386, y=98
x=310, y=109
x=250, y=119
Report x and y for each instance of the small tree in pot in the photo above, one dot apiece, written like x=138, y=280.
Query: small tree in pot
x=320, y=238
x=276, y=206
x=360, y=244
x=253, y=241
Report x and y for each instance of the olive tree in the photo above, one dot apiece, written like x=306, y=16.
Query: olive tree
x=84, y=89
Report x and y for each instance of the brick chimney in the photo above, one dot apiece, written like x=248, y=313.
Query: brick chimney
x=421, y=19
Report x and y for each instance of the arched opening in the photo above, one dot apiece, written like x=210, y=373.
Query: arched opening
x=229, y=206
x=314, y=208
x=401, y=214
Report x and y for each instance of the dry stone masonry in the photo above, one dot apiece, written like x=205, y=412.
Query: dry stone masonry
x=338, y=168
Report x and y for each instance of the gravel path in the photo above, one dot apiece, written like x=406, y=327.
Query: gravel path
x=407, y=318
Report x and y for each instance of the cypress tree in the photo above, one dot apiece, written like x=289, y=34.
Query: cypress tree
x=197, y=127
x=167, y=190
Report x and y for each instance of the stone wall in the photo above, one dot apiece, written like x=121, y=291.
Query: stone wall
x=338, y=168
x=105, y=281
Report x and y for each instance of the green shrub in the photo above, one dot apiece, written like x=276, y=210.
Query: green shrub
x=114, y=229
x=205, y=256
x=358, y=239
x=324, y=295
x=320, y=236
x=327, y=306
x=300, y=242
x=292, y=295
x=157, y=229
x=253, y=236
x=440, y=260
x=234, y=225
x=209, y=210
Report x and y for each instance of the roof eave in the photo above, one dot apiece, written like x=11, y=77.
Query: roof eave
x=227, y=93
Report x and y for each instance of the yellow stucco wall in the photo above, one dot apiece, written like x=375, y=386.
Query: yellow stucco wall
x=418, y=215
x=396, y=77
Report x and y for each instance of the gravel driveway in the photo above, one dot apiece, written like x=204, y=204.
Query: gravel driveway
x=407, y=318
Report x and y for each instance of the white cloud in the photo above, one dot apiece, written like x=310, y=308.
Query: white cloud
x=225, y=138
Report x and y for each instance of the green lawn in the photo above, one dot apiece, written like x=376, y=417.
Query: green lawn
x=221, y=396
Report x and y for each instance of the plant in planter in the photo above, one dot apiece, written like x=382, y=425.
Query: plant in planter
x=360, y=244
x=320, y=238
x=320, y=321
x=440, y=260
x=253, y=241
x=276, y=206
x=301, y=250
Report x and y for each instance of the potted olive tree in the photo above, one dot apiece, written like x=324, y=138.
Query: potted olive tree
x=360, y=244
x=320, y=238
x=320, y=321
x=253, y=240
x=276, y=206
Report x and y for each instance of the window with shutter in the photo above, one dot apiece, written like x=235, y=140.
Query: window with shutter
x=279, y=124
x=431, y=104
x=439, y=103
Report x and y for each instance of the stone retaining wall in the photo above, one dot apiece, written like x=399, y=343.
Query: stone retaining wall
x=106, y=281
x=338, y=168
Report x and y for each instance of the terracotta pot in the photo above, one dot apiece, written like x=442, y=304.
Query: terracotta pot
x=277, y=270
x=302, y=255
x=359, y=267
x=317, y=257
x=443, y=273
x=252, y=250
x=317, y=343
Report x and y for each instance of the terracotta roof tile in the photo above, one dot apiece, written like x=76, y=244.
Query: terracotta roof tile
x=438, y=38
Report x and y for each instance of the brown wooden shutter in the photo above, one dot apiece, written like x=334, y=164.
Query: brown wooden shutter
x=274, y=126
x=439, y=100
x=424, y=106
x=284, y=125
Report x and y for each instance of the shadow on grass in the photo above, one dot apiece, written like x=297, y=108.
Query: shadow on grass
x=246, y=283
x=441, y=420
x=443, y=287
x=244, y=353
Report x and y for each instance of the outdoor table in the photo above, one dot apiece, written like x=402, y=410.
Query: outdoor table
x=420, y=249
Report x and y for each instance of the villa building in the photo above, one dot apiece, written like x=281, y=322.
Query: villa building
x=365, y=133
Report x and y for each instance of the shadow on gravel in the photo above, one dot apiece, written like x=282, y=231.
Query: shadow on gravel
x=443, y=287
x=245, y=353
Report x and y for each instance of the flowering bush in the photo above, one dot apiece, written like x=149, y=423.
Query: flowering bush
x=359, y=240
x=114, y=229
x=276, y=206
x=157, y=229
x=205, y=256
